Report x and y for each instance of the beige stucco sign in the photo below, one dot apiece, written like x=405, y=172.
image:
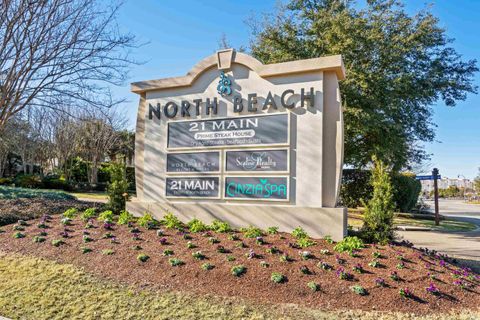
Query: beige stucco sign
x=244, y=142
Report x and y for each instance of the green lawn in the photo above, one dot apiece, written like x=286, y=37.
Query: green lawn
x=90, y=195
x=356, y=221
x=32, y=288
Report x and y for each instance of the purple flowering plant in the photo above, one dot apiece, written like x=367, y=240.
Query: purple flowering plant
x=163, y=241
x=432, y=289
x=380, y=282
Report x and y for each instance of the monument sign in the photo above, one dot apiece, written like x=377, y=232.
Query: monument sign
x=243, y=142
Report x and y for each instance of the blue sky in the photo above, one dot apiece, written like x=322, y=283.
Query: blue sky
x=180, y=33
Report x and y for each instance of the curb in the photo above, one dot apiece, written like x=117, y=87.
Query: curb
x=413, y=228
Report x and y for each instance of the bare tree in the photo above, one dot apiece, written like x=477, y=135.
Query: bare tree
x=59, y=52
x=99, y=132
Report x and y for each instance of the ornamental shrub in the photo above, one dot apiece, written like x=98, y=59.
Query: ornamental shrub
x=106, y=216
x=252, y=232
x=70, y=213
x=117, y=188
x=147, y=221
x=196, y=225
x=348, y=244
x=125, y=217
x=220, y=226
x=299, y=233
x=356, y=189
x=378, y=217
x=88, y=214
x=171, y=221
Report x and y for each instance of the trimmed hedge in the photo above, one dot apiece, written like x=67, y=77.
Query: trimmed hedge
x=357, y=190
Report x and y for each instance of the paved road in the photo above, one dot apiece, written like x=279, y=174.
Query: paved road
x=464, y=245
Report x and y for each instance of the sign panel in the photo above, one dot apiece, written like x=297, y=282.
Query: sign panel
x=257, y=160
x=193, y=187
x=246, y=131
x=427, y=177
x=193, y=162
x=263, y=188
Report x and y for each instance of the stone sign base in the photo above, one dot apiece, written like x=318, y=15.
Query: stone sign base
x=317, y=222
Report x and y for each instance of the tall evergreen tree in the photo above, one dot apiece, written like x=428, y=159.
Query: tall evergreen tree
x=378, y=217
x=398, y=65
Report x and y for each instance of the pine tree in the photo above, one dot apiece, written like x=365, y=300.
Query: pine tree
x=378, y=217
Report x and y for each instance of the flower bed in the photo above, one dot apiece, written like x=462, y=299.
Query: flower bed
x=276, y=268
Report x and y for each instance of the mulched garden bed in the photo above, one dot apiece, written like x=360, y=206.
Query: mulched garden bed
x=12, y=210
x=114, y=255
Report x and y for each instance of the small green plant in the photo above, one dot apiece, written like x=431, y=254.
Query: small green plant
x=272, y=250
x=70, y=213
x=374, y=264
x=272, y=230
x=18, y=228
x=313, y=286
x=38, y=239
x=171, y=221
x=376, y=255
x=241, y=244
x=252, y=232
x=349, y=244
x=142, y=257
x=264, y=264
x=325, y=252
x=238, y=270
x=299, y=233
x=174, y=262
x=88, y=214
x=167, y=252
x=147, y=221
x=359, y=290
x=125, y=217
x=328, y=239
x=22, y=223
x=220, y=226
x=324, y=266
x=66, y=221
x=277, y=277
x=86, y=239
x=57, y=242
x=305, y=255
x=405, y=293
x=86, y=250
x=198, y=255
x=305, y=242
x=305, y=270
x=106, y=216
x=196, y=225
x=230, y=258
x=285, y=258
x=207, y=266
x=43, y=234
x=108, y=252
x=401, y=265
x=233, y=237
x=191, y=245
x=137, y=248
x=213, y=240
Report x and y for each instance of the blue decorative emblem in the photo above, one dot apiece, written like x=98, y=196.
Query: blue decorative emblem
x=224, y=84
